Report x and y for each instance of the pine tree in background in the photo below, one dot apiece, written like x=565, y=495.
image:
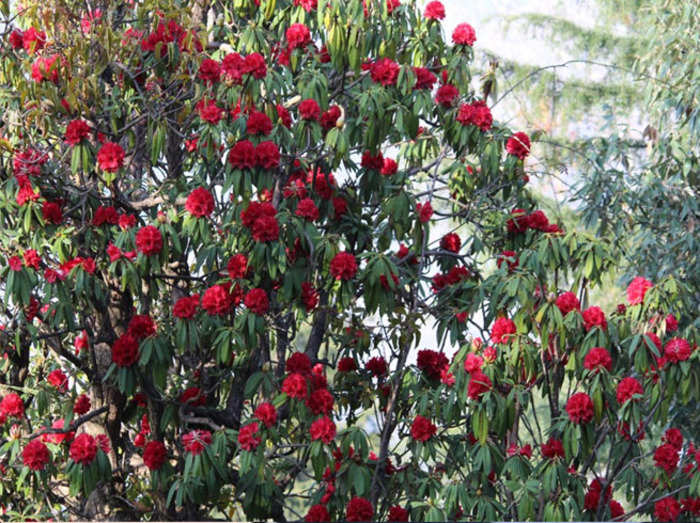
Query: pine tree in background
x=622, y=114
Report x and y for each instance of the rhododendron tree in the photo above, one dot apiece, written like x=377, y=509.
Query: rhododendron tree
x=226, y=230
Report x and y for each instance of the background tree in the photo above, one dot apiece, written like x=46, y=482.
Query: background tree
x=217, y=231
x=628, y=161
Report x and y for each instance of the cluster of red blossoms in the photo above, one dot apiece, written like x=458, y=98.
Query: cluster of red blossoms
x=537, y=220
x=477, y=114
x=260, y=219
x=125, y=350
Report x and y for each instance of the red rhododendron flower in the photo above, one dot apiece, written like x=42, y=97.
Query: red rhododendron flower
x=125, y=350
x=102, y=441
x=31, y=259
x=83, y=449
x=370, y=161
x=196, y=441
x=232, y=66
x=254, y=65
x=384, y=71
x=446, y=95
x=674, y=437
x=477, y=114
x=616, y=509
x=318, y=513
x=284, y=117
x=677, y=350
x=320, y=401
x=209, y=71
x=553, y=449
x=51, y=211
x=636, y=290
x=256, y=301
x=298, y=362
x=691, y=506
x=217, y=300
x=597, y=359
x=209, y=111
x=508, y=257
x=141, y=326
x=110, y=157
x=154, y=455
x=247, y=437
x=359, y=509
x=432, y=363
x=346, y=364
x=666, y=458
x=397, y=513
x=58, y=437
x=490, y=354
x=330, y=117
x=258, y=123
x=567, y=302
x=322, y=429
x=478, y=385
x=16, y=39
x=321, y=183
x=265, y=229
x=422, y=429
x=200, y=202
x=671, y=323
x=15, y=263
x=309, y=109
x=627, y=388
x=294, y=188
x=434, y=10
x=149, y=240
x=76, y=131
x=294, y=386
x=237, y=266
x=35, y=455
x=267, y=155
x=473, y=363
x=243, y=155
x=58, y=379
x=343, y=266
x=298, y=35
x=592, y=498
x=377, y=366
x=389, y=167
x=667, y=509
x=518, y=145
x=451, y=242
x=193, y=396
x=266, y=413
x=33, y=40
x=309, y=296
x=307, y=209
x=186, y=307
x=464, y=34
x=580, y=408
x=519, y=222
x=81, y=405
x=425, y=212
x=45, y=68
x=28, y=163
x=425, y=79
x=502, y=330
x=594, y=317
x=105, y=214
